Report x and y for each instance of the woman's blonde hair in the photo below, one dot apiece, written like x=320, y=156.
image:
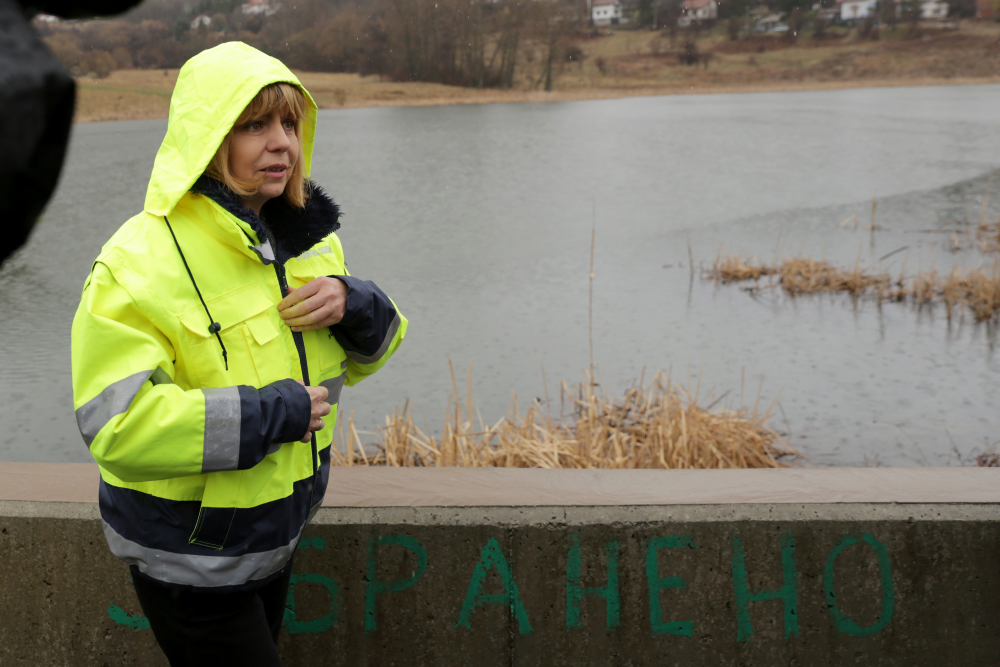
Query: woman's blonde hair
x=288, y=101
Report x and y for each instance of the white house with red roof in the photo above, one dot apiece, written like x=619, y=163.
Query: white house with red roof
x=698, y=11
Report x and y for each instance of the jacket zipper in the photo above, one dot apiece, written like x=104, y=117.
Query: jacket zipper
x=300, y=346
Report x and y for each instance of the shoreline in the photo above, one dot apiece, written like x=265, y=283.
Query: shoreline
x=417, y=94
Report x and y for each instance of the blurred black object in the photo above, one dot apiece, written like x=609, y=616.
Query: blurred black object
x=36, y=110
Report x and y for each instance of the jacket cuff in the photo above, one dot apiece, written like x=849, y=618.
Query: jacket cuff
x=276, y=413
x=369, y=323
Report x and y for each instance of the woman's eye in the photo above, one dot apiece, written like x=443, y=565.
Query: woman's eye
x=290, y=124
x=254, y=126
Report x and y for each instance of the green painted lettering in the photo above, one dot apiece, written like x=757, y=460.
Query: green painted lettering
x=842, y=622
x=374, y=586
x=312, y=543
x=788, y=592
x=656, y=583
x=575, y=592
x=296, y=627
x=122, y=617
x=492, y=556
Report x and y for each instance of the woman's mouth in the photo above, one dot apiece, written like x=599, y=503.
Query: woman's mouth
x=276, y=171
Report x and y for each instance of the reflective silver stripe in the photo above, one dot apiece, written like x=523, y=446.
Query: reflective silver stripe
x=265, y=250
x=114, y=400
x=361, y=359
x=334, y=385
x=222, y=429
x=192, y=570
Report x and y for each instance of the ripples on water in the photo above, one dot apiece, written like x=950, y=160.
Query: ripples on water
x=476, y=219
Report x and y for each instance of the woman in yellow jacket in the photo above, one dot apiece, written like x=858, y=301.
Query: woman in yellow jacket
x=214, y=334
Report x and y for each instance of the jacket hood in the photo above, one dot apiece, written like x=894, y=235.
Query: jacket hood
x=212, y=90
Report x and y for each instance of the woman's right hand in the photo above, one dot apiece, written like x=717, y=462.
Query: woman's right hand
x=320, y=409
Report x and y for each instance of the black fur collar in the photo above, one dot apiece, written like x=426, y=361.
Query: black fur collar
x=291, y=231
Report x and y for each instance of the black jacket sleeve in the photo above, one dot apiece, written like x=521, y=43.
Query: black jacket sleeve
x=276, y=413
x=368, y=318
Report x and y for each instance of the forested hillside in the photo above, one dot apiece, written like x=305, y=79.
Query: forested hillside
x=460, y=42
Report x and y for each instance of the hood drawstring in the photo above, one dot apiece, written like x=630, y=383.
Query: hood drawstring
x=214, y=327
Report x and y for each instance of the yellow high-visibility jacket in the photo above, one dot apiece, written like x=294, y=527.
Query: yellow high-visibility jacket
x=202, y=481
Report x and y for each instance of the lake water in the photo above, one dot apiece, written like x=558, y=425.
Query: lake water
x=477, y=220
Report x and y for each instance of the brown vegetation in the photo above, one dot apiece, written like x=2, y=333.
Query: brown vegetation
x=457, y=42
x=656, y=426
x=978, y=289
x=133, y=94
x=988, y=460
x=401, y=52
x=983, y=235
x=770, y=61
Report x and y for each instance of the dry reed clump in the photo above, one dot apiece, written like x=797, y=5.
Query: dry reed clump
x=733, y=268
x=978, y=289
x=984, y=235
x=659, y=426
x=805, y=276
x=988, y=460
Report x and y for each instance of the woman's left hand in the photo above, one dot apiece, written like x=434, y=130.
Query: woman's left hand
x=317, y=304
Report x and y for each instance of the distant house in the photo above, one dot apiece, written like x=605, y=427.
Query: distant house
x=260, y=7
x=851, y=10
x=770, y=23
x=201, y=20
x=827, y=13
x=930, y=10
x=934, y=10
x=697, y=11
x=984, y=9
x=606, y=12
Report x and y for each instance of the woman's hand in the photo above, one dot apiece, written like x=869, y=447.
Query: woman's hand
x=317, y=304
x=320, y=409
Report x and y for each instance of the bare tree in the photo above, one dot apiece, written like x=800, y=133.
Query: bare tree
x=554, y=23
x=795, y=22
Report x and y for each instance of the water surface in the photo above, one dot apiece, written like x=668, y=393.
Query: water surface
x=477, y=221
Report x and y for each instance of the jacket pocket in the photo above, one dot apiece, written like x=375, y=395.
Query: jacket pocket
x=218, y=509
x=213, y=526
x=253, y=347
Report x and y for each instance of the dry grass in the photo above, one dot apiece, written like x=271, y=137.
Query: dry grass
x=124, y=95
x=131, y=94
x=143, y=94
x=983, y=235
x=733, y=268
x=766, y=62
x=977, y=290
x=656, y=426
x=988, y=460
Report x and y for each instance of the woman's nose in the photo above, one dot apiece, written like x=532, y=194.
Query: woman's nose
x=277, y=138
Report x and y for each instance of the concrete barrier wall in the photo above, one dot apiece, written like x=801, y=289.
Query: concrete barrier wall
x=532, y=567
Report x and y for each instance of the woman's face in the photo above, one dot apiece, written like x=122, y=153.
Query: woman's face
x=265, y=147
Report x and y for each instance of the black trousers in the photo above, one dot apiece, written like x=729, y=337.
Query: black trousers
x=201, y=627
